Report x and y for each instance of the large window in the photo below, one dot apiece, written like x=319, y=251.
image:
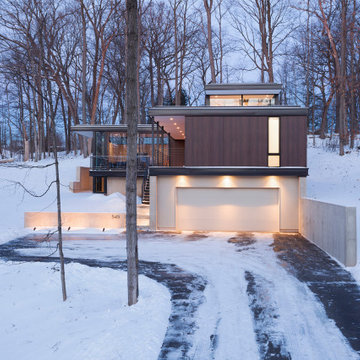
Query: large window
x=226, y=100
x=242, y=100
x=273, y=141
x=258, y=100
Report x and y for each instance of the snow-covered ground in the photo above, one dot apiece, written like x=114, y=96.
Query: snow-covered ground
x=293, y=317
x=15, y=200
x=94, y=323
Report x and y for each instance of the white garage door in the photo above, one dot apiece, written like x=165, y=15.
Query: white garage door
x=229, y=209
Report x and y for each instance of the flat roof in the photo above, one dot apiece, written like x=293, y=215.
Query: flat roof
x=276, y=110
x=245, y=86
x=243, y=89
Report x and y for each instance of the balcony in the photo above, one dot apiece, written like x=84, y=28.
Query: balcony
x=110, y=163
x=105, y=163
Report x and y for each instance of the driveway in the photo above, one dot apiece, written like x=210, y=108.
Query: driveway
x=235, y=296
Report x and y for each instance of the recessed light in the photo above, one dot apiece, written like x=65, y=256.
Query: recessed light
x=178, y=127
x=171, y=118
x=174, y=123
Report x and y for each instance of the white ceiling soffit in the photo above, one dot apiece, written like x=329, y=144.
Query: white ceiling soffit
x=175, y=125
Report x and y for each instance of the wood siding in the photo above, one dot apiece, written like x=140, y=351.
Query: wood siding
x=245, y=141
x=293, y=141
x=204, y=141
x=242, y=141
x=177, y=152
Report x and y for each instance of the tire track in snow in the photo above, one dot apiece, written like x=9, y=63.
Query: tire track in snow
x=308, y=332
x=332, y=284
x=186, y=291
x=271, y=342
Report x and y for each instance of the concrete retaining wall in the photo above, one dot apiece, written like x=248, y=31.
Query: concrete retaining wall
x=331, y=227
x=75, y=219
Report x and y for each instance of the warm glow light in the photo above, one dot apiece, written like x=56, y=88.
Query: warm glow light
x=171, y=118
x=227, y=181
x=182, y=180
x=178, y=127
x=174, y=123
x=272, y=181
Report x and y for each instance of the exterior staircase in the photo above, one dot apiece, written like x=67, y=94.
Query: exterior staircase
x=146, y=190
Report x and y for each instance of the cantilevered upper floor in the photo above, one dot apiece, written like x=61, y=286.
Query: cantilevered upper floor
x=242, y=125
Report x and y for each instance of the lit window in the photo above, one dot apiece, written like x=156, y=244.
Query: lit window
x=274, y=160
x=273, y=141
x=226, y=100
x=274, y=135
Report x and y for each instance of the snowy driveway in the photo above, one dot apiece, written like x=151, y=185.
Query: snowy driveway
x=248, y=296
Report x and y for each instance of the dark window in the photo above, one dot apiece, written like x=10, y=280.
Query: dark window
x=99, y=184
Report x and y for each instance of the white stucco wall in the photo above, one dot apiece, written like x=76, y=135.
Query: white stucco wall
x=163, y=195
x=118, y=184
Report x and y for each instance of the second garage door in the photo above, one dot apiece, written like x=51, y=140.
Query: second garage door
x=228, y=209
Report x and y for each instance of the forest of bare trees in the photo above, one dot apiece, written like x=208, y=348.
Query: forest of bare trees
x=62, y=62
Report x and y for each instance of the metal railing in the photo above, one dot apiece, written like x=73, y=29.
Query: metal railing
x=160, y=158
x=102, y=162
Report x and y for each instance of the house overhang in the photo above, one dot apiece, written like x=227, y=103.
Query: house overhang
x=168, y=111
x=230, y=171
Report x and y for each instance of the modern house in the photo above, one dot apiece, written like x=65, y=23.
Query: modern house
x=236, y=164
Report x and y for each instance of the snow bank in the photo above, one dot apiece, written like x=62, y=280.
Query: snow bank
x=335, y=179
x=94, y=323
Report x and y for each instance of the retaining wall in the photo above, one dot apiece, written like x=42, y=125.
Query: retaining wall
x=331, y=227
x=75, y=219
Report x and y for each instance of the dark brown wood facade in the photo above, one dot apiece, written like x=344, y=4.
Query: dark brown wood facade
x=177, y=152
x=293, y=142
x=242, y=141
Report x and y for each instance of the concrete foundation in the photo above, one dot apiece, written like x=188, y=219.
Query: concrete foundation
x=331, y=227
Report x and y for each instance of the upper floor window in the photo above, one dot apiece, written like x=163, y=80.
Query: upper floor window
x=226, y=100
x=258, y=100
x=242, y=100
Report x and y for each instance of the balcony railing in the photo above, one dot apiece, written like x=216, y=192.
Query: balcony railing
x=107, y=162
x=101, y=162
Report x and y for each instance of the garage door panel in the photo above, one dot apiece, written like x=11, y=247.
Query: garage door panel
x=220, y=209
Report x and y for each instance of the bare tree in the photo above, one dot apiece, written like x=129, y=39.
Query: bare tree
x=131, y=160
x=340, y=63
x=208, y=4
x=263, y=26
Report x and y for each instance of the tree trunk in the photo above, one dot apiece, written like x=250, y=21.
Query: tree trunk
x=131, y=161
x=58, y=198
x=83, y=65
x=208, y=7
